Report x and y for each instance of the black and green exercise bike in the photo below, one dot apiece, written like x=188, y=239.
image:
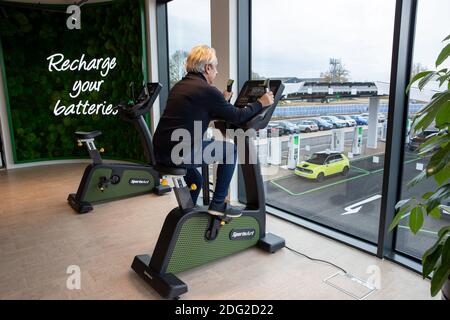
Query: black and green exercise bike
x=103, y=182
x=190, y=236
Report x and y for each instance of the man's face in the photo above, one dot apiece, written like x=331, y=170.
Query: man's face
x=211, y=72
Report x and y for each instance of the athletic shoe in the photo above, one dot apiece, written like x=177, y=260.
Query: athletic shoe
x=224, y=209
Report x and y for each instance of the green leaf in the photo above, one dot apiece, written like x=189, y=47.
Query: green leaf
x=432, y=138
x=421, y=176
x=443, y=55
x=445, y=208
x=417, y=77
x=438, y=161
x=440, y=276
x=427, y=195
x=416, y=219
x=447, y=38
x=399, y=216
x=430, y=260
x=401, y=203
x=442, y=175
x=443, y=78
x=438, y=197
x=434, y=247
x=443, y=115
x=423, y=82
x=431, y=110
x=430, y=144
x=435, y=213
x=437, y=98
x=443, y=231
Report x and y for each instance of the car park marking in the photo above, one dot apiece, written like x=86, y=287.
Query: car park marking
x=364, y=173
x=421, y=230
x=360, y=169
x=355, y=208
x=314, y=189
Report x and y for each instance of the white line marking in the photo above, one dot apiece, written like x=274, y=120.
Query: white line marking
x=355, y=208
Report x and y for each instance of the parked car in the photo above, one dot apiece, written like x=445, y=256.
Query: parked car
x=322, y=124
x=306, y=126
x=416, y=140
x=380, y=117
x=350, y=122
x=360, y=121
x=289, y=127
x=274, y=129
x=323, y=164
x=336, y=122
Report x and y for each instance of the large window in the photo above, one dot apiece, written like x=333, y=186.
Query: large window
x=432, y=27
x=189, y=24
x=335, y=59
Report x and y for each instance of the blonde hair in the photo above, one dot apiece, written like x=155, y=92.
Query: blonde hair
x=199, y=57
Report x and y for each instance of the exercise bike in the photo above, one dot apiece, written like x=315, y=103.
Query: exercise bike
x=103, y=182
x=190, y=236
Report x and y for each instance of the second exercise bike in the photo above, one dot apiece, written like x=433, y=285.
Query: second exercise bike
x=103, y=182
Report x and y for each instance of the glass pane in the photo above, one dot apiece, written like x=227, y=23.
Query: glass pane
x=334, y=59
x=432, y=27
x=189, y=24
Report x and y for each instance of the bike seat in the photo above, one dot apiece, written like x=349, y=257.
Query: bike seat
x=87, y=135
x=171, y=171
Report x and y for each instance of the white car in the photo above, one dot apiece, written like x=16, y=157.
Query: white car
x=350, y=122
x=381, y=117
x=307, y=126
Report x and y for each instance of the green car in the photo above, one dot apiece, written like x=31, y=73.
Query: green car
x=323, y=164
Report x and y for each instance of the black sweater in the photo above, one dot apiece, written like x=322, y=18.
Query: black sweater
x=193, y=99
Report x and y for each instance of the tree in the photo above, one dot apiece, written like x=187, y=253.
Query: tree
x=417, y=68
x=336, y=73
x=177, y=66
x=256, y=76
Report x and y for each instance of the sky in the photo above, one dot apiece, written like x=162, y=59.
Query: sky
x=298, y=37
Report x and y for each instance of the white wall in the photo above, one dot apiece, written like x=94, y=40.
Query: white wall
x=224, y=40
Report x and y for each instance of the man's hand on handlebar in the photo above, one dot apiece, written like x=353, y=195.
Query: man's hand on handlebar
x=267, y=99
x=227, y=95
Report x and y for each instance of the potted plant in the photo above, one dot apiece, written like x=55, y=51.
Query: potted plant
x=436, y=147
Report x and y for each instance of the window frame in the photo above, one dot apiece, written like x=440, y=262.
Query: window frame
x=401, y=62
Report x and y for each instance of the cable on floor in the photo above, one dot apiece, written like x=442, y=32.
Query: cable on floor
x=313, y=259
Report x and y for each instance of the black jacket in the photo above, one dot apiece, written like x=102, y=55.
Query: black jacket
x=194, y=99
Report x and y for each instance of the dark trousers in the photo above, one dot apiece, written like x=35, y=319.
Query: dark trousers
x=226, y=160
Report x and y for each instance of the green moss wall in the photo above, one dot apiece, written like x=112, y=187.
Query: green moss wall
x=30, y=34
